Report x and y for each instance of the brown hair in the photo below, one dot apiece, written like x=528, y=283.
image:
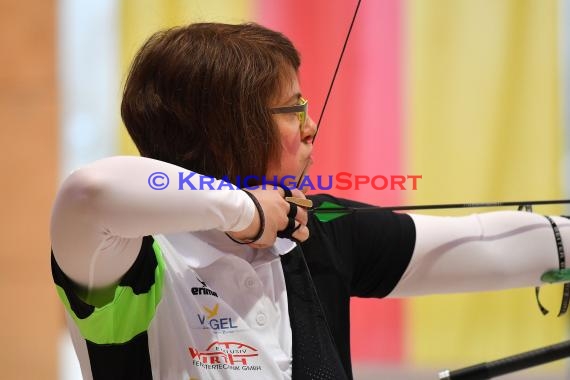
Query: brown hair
x=198, y=96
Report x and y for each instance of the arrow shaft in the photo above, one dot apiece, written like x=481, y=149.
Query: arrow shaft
x=441, y=206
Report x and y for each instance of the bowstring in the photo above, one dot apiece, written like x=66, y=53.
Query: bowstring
x=332, y=83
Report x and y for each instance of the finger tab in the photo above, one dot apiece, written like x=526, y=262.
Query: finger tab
x=303, y=202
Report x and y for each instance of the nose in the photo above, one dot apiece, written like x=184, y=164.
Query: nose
x=308, y=130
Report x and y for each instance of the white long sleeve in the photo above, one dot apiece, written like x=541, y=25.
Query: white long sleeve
x=103, y=210
x=480, y=252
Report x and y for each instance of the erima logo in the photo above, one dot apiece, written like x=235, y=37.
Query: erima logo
x=204, y=290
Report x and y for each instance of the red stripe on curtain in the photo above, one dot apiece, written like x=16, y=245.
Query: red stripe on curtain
x=361, y=132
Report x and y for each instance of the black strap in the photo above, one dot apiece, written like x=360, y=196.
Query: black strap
x=292, y=210
x=287, y=191
x=561, y=265
x=288, y=231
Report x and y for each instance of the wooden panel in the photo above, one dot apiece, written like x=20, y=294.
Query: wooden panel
x=31, y=317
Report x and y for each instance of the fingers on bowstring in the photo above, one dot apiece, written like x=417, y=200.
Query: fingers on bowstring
x=288, y=231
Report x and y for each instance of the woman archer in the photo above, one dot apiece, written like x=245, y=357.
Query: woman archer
x=242, y=284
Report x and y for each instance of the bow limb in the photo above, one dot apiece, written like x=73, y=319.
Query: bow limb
x=333, y=79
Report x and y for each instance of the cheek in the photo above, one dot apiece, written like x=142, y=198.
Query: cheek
x=291, y=143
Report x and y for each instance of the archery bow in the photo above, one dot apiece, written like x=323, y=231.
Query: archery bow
x=328, y=211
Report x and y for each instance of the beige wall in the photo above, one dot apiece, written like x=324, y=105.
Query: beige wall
x=30, y=317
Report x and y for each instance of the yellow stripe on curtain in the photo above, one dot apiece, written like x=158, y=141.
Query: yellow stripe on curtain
x=141, y=18
x=484, y=124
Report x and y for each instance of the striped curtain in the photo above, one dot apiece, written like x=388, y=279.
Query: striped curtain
x=466, y=93
x=484, y=123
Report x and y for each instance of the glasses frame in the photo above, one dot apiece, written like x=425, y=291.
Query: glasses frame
x=300, y=109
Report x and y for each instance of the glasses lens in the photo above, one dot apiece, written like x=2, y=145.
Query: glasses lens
x=299, y=109
x=303, y=114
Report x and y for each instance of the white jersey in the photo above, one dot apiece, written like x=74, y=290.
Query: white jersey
x=193, y=322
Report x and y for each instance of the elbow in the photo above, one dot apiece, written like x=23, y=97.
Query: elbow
x=74, y=217
x=83, y=189
x=77, y=202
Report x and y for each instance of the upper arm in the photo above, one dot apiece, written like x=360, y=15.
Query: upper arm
x=104, y=209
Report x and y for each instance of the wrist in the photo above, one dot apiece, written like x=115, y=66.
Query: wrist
x=255, y=230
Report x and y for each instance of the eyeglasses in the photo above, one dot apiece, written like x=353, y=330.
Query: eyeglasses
x=300, y=109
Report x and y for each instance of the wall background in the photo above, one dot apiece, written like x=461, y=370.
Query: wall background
x=30, y=317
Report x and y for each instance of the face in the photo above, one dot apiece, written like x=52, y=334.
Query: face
x=296, y=139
